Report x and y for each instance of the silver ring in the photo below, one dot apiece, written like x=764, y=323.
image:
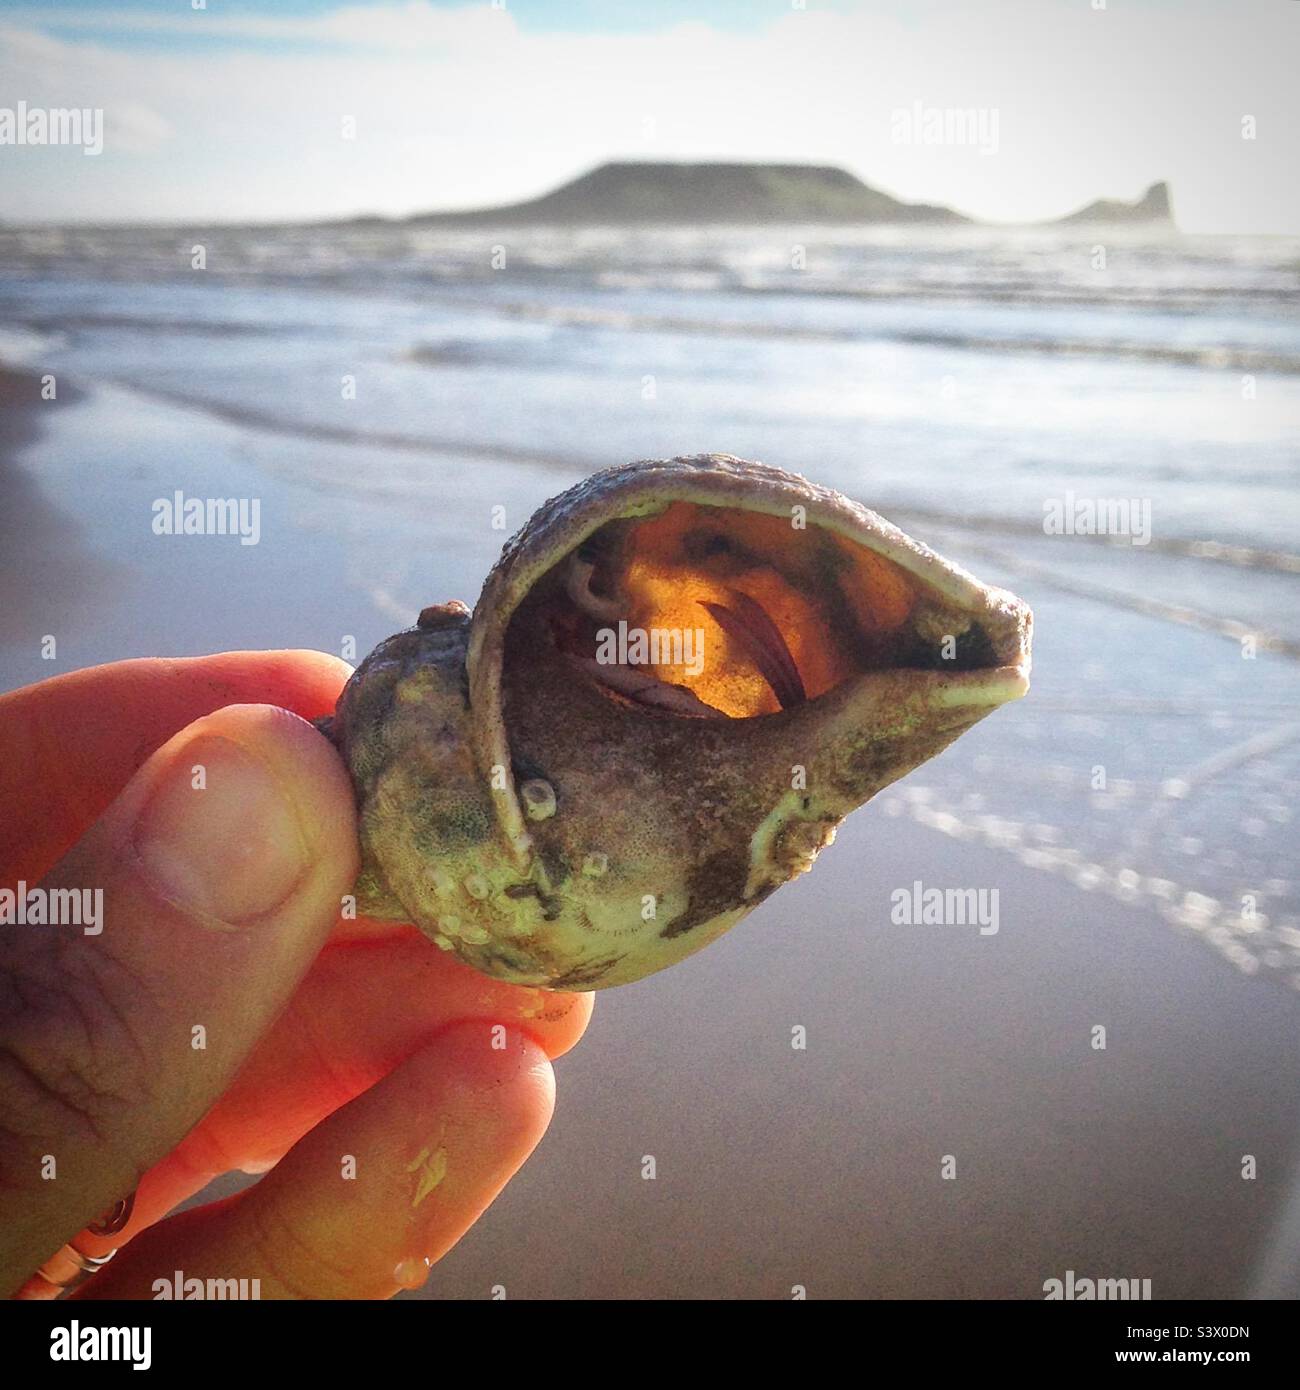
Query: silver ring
x=54, y=1271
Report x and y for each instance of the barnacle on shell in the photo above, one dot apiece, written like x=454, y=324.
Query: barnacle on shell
x=680, y=676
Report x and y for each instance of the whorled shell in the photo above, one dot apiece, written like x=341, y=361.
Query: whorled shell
x=561, y=822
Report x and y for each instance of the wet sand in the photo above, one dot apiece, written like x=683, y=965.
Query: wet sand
x=47, y=574
x=822, y=1168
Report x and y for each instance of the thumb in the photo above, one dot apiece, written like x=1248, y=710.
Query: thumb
x=219, y=872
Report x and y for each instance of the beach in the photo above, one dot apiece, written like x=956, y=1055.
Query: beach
x=46, y=565
x=396, y=411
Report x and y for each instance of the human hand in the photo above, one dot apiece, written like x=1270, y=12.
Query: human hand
x=223, y=1017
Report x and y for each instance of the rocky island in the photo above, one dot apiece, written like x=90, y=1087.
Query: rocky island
x=628, y=192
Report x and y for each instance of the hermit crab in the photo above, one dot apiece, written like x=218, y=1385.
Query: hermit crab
x=680, y=676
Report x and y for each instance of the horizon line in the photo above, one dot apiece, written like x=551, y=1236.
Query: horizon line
x=345, y=219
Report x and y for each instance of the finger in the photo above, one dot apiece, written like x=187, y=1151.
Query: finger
x=370, y=1198
x=70, y=744
x=359, y=1012
x=221, y=867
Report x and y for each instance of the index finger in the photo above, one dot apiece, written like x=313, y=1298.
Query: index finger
x=69, y=745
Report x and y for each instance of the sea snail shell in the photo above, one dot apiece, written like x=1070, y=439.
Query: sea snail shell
x=679, y=678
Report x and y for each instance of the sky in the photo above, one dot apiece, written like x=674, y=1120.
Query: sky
x=289, y=109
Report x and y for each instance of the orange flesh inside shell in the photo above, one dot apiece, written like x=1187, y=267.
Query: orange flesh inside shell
x=747, y=612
